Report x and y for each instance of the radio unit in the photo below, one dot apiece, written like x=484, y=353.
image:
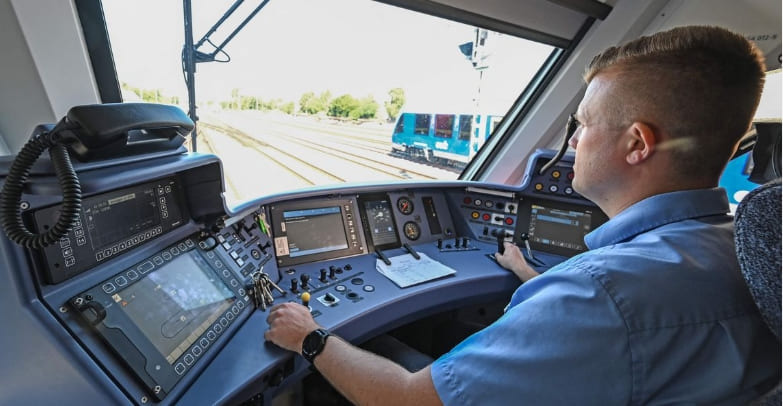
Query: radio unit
x=110, y=224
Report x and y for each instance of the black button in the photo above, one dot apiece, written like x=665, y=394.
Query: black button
x=357, y=281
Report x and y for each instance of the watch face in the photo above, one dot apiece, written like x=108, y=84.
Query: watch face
x=314, y=343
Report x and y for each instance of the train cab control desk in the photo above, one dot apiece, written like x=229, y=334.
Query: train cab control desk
x=161, y=294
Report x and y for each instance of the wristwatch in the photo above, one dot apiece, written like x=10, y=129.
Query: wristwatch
x=314, y=343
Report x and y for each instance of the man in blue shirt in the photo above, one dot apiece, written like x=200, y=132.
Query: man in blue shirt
x=657, y=310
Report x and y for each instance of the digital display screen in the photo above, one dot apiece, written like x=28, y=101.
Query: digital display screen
x=559, y=227
x=173, y=305
x=314, y=231
x=117, y=218
x=380, y=222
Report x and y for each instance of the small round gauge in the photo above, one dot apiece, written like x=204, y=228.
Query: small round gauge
x=405, y=205
x=411, y=230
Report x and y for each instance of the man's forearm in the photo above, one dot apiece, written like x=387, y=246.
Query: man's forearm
x=368, y=379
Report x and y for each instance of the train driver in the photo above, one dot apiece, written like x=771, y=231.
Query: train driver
x=656, y=311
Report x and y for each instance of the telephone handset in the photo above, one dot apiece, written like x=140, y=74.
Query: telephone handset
x=90, y=132
x=121, y=129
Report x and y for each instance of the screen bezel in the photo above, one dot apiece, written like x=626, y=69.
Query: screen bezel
x=130, y=344
x=349, y=223
x=597, y=217
x=366, y=223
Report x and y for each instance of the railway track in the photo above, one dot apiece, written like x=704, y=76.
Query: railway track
x=354, y=138
x=358, y=155
x=259, y=146
x=397, y=172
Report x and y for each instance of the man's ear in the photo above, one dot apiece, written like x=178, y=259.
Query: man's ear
x=641, y=144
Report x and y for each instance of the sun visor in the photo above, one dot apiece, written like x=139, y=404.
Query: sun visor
x=552, y=22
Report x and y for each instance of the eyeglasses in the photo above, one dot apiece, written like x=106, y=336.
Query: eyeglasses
x=571, y=126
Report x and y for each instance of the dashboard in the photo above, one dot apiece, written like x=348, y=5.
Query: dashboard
x=156, y=293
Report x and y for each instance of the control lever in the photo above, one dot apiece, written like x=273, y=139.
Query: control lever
x=305, y=300
x=304, y=278
x=530, y=257
x=382, y=256
x=501, y=237
x=411, y=251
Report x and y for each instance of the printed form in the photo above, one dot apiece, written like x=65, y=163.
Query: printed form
x=405, y=270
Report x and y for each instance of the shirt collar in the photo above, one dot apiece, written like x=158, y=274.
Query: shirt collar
x=656, y=211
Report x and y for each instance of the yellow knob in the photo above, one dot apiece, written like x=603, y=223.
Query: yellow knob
x=305, y=297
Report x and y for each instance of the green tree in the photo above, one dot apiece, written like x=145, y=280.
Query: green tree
x=393, y=106
x=287, y=108
x=342, y=106
x=304, y=102
x=235, y=98
x=311, y=104
x=366, y=108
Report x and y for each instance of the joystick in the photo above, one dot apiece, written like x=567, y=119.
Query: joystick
x=306, y=299
x=305, y=278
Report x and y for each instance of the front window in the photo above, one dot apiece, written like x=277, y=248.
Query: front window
x=312, y=90
x=444, y=125
x=422, y=124
x=464, y=127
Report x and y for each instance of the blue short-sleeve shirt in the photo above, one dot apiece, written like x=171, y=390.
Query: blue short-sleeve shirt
x=655, y=312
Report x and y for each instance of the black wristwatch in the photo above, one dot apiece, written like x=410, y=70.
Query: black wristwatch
x=314, y=343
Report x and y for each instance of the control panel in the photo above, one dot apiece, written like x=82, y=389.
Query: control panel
x=161, y=315
x=488, y=213
x=110, y=224
x=164, y=290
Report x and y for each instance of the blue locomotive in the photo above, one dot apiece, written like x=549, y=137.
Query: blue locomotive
x=448, y=139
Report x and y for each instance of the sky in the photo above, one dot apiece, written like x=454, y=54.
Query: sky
x=358, y=47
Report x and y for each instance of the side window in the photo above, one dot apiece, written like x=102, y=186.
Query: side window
x=464, y=127
x=400, y=127
x=422, y=126
x=444, y=125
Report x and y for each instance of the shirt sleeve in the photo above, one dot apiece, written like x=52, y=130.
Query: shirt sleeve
x=563, y=341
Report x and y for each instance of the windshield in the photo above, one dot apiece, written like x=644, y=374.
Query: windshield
x=326, y=92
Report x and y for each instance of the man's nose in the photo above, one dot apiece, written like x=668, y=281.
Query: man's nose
x=575, y=138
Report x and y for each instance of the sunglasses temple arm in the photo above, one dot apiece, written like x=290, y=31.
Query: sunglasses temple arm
x=570, y=130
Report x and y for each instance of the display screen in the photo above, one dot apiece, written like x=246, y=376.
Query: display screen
x=380, y=222
x=559, y=227
x=314, y=231
x=119, y=217
x=175, y=304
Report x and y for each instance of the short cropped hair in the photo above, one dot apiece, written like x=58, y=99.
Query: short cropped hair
x=699, y=85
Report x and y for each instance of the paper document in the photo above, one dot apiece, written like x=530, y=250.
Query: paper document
x=405, y=270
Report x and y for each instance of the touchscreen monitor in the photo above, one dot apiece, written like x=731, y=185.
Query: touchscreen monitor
x=175, y=304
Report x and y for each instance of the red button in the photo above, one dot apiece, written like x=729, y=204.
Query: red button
x=486, y=217
x=467, y=200
x=509, y=220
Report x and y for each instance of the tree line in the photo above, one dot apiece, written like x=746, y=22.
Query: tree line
x=343, y=106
